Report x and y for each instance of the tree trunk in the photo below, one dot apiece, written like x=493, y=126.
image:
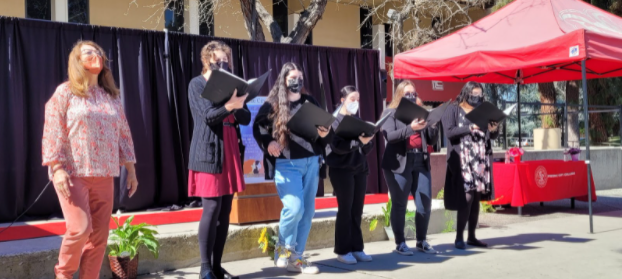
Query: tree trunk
x=302, y=28
x=598, y=131
x=572, y=97
x=548, y=96
x=247, y=12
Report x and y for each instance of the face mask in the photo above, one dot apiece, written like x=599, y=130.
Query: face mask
x=94, y=65
x=352, y=107
x=475, y=100
x=294, y=85
x=219, y=65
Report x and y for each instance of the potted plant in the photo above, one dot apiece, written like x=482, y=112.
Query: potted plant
x=574, y=153
x=409, y=229
x=515, y=153
x=123, y=255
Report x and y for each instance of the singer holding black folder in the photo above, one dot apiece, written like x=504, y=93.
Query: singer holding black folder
x=295, y=163
x=215, y=163
x=469, y=162
x=406, y=168
x=348, y=172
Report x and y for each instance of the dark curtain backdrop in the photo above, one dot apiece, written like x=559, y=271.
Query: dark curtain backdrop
x=33, y=62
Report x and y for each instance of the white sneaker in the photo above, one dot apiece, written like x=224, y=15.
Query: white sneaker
x=425, y=247
x=281, y=257
x=361, y=256
x=346, y=259
x=302, y=266
x=403, y=249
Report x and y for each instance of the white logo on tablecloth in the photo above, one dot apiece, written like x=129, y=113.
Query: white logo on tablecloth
x=437, y=85
x=541, y=176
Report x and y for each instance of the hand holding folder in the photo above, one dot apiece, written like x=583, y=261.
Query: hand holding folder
x=487, y=113
x=307, y=119
x=221, y=85
x=407, y=112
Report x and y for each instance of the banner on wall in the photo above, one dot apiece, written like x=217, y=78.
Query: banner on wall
x=253, y=156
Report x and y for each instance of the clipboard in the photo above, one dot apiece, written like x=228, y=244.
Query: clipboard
x=407, y=111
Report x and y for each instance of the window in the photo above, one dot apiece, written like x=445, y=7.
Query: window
x=206, y=18
x=174, y=16
x=388, y=43
x=78, y=11
x=39, y=9
x=279, y=11
x=367, y=35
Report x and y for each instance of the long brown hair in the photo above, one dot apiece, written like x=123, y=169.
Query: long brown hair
x=78, y=77
x=208, y=50
x=280, y=104
x=399, y=93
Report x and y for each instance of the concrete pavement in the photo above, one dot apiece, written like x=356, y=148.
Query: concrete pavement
x=544, y=248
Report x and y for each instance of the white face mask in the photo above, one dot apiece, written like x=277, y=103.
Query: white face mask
x=352, y=107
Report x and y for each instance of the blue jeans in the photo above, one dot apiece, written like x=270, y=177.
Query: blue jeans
x=296, y=182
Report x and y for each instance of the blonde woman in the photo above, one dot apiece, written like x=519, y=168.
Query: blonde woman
x=86, y=139
x=406, y=169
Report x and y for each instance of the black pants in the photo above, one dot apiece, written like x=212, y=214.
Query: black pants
x=350, y=190
x=213, y=229
x=470, y=215
x=415, y=180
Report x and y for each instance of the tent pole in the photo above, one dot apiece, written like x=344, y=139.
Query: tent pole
x=520, y=138
x=586, y=123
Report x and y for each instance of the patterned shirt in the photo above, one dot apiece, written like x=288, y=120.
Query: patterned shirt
x=89, y=136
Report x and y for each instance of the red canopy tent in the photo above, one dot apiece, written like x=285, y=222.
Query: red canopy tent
x=543, y=40
x=527, y=41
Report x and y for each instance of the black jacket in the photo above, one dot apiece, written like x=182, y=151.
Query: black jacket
x=348, y=156
x=455, y=197
x=262, y=132
x=206, y=147
x=397, y=133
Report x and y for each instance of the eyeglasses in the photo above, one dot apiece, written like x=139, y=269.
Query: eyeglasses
x=92, y=52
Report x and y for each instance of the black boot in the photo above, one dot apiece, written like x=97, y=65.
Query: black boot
x=223, y=274
x=206, y=272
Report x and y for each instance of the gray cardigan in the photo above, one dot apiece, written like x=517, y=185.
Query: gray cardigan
x=206, y=147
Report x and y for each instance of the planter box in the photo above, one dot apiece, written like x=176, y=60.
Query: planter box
x=547, y=138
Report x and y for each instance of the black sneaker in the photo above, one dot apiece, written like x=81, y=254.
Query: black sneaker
x=425, y=247
x=403, y=249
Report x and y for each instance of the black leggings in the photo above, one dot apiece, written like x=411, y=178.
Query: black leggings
x=213, y=229
x=468, y=214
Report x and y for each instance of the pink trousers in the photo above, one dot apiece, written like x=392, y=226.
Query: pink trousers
x=87, y=216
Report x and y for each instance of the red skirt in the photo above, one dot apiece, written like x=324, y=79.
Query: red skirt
x=230, y=180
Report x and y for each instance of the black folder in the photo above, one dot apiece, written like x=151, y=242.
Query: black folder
x=352, y=127
x=407, y=111
x=221, y=84
x=486, y=113
x=305, y=121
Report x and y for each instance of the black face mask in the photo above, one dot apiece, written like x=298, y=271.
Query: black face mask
x=295, y=85
x=219, y=65
x=475, y=100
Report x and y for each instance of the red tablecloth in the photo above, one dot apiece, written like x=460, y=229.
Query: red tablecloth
x=540, y=181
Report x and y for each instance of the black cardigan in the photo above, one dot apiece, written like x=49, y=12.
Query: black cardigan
x=206, y=147
x=262, y=132
x=455, y=196
x=396, y=134
x=349, y=156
